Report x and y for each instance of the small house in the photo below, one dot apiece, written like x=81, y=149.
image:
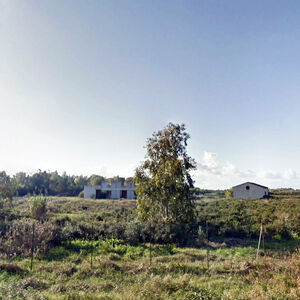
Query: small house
x=250, y=190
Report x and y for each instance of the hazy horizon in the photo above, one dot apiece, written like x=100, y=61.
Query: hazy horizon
x=83, y=84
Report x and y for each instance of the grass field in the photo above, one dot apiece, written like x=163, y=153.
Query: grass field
x=224, y=268
x=124, y=272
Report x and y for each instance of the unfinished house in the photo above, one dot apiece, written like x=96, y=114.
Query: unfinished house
x=111, y=189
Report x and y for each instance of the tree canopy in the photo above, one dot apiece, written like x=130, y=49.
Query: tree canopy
x=163, y=180
x=46, y=183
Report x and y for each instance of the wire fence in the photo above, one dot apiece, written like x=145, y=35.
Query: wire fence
x=36, y=238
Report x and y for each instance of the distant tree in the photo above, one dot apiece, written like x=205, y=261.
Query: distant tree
x=6, y=187
x=195, y=191
x=21, y=183
x=39, y=183
x=229, y=194
x=54, y=184
x=163, y=180
x=96, y=179
x=46, y=183
x=80, y=182
x=116, y=178
x=7, y=192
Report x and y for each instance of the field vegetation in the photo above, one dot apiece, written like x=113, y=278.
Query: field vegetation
x=97, y=249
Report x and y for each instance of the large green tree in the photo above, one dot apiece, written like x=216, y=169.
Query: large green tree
x=163, y=180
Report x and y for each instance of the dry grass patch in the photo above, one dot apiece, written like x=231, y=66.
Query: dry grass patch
x=272, y=278
x=12, y=268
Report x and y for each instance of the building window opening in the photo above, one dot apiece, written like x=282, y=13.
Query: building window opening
x=98, y=194
x=247, y=187
x=124, y=194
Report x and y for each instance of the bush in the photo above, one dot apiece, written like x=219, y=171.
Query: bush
x=38, y=207
x=133, y=232
x=242, y=218
x=160, y=233
x=81, y=194
x=229, y=194
x=18, y=239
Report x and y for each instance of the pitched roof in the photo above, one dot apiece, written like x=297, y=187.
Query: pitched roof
x=262, y=186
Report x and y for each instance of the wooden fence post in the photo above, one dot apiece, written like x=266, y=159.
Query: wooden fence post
x=32, y=247
x=150, y=246
x=150, y=253
x=207, y=249
x=92, y=246
x=263, y=241
x=257, y=252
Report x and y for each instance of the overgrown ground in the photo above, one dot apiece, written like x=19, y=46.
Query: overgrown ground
x=224, y=268
x=124, y=272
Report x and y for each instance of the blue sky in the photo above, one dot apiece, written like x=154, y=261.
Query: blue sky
x=83, y=84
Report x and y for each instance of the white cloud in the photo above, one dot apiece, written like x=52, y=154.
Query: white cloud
x=269, y=174
x=290, y=174
x=215, y=175
x=210, y=160
x=209, y=163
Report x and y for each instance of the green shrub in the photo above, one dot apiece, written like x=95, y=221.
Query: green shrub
x=57, y=253
x=38, y=207
x=18, y=239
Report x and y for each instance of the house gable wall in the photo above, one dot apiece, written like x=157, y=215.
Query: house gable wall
x=252, y=192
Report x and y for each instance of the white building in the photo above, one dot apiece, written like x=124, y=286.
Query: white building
x=116, y=189
x=250, y=190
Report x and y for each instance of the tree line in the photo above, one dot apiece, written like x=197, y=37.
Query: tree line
x=46, y=183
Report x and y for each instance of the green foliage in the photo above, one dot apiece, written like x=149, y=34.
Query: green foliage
x=123, y=272
x=104, y=247
x=6, y=187
x=116, y=178
x=96, y=180
x=38, y=207
x=229, y=194
x=232, y=218
x=242, y=218
x=121, y=269
x=7, y=191
x=163, y=180
x=205, y=194
x=47, y=183
x=17, y=241
x=56, y=253
x=201, y=234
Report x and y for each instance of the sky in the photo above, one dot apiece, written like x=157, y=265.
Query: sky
x=83, y=84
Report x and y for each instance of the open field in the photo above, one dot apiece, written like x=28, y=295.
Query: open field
x=124, y=272
x=191, y=268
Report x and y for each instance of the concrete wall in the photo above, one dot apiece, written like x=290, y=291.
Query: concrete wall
x=115, y=194
x=115, y=187
x=254, y=191
x=90, y=191
x=130, y=194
